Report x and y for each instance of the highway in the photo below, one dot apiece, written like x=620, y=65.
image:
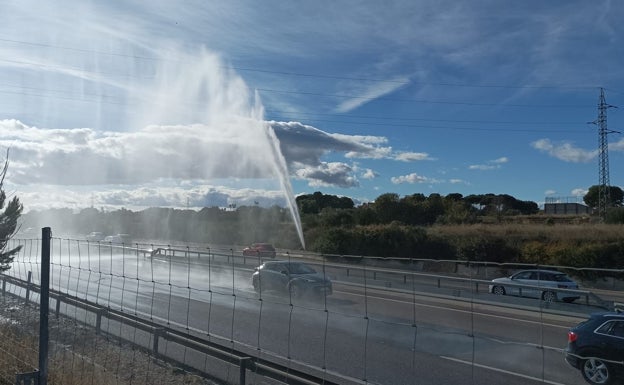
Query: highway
x=362, y=333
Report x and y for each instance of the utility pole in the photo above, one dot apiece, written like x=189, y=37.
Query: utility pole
x=604, y=185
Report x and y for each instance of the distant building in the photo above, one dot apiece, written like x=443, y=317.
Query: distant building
x=566, y=208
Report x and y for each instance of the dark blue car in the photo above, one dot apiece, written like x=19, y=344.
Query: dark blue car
x=295, y=278
x=596, y=348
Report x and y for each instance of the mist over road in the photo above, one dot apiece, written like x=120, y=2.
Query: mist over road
x=370, y=333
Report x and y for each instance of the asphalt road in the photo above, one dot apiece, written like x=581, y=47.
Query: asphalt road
x=362, y=332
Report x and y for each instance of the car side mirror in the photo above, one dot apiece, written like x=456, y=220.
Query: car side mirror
x=284, y=272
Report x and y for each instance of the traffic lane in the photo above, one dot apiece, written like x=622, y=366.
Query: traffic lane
x=358, y=347
x=513, y=324
x=336, y=305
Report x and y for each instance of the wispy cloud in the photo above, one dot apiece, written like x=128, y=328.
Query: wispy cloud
x=490, y=165
x=565, y=151
x=373, y=92
x=412, y=156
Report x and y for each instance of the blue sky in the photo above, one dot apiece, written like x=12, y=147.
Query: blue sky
x=183, y=104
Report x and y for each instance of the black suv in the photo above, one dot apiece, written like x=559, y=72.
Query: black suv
x=596, y=347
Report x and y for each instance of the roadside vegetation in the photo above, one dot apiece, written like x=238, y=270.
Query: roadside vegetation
x=489, y=227
x=77, y=355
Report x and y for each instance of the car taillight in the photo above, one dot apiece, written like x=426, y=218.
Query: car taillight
x=572, y=337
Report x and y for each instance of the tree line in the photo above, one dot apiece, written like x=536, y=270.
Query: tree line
x=247, y=224
x=391, y=226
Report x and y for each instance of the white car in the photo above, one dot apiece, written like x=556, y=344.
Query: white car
x=536, y=284
x=124, y=239
x=95, y=236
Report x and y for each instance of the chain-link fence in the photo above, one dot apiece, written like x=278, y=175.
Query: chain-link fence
x=160, y=314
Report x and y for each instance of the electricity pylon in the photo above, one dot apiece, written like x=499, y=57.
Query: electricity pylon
x=604, y=185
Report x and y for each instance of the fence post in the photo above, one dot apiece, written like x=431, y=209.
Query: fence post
x=44, y=306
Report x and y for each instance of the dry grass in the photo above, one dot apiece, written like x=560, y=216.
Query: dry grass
x=528, y=231
x=77, y=356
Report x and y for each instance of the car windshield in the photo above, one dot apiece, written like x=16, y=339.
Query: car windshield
x=300, y=268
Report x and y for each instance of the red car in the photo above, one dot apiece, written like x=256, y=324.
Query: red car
x=260, y=250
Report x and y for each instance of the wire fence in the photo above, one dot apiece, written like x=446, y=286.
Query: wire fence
x=164, y=314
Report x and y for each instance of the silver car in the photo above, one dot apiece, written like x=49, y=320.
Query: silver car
x=536, y=284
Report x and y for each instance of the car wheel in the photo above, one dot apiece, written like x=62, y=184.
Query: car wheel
x=596, y=372
x=256, y=285
x=296, y=291
x=549, y=296
x=498, y=290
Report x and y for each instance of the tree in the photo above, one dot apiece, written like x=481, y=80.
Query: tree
x=8, y=221
x=615, y=193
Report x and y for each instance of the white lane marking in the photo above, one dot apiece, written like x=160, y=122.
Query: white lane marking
x=460, y=310
x=502, y=371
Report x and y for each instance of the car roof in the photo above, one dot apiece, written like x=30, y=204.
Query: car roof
x=607, y=314
x=541, y=271
x=276, y=261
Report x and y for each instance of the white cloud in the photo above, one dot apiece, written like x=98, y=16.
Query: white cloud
x=84, y=156
x=565, y=151
x=410, y=178
x=369, y=174
x=550, y=192
x=412, y=156
x=328, y=174
x=490, y=165
x=483, y=167
x=579, y=192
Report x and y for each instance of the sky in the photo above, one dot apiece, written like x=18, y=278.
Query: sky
x=135, y=104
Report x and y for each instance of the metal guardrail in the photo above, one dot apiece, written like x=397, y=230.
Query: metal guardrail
x=376, y=273
x=159, y=332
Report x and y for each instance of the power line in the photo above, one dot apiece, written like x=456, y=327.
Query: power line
x=420, y=119
x=455, y=127
x=345, y=96
x=309, y=75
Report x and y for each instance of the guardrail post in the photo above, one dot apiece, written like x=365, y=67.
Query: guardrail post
x=58, y=306
x=31, y=378
x=28, y=286
x=243, y=369
x=98, y=320
x=157, y=333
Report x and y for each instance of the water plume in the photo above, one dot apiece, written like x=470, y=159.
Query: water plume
x=151, y=108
